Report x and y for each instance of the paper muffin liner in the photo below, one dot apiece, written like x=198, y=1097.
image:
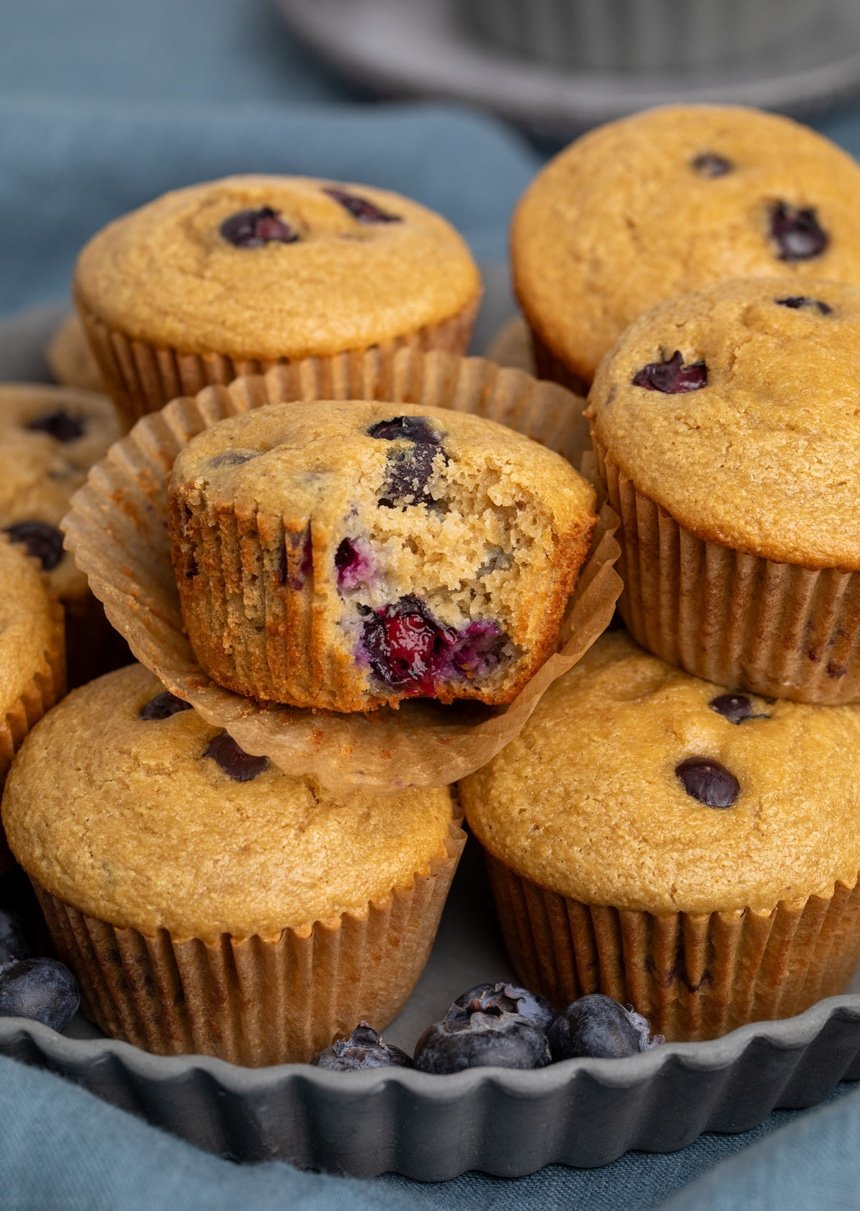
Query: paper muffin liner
x=256, y=1000
x=93, y=647
x=740, y=620
x=549, y=366
x=694, y=976
x=141, y=377
x=636, y=35
x=117, y=529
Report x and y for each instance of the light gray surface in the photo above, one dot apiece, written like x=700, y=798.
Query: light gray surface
x=416, y=48
x=581, y=1112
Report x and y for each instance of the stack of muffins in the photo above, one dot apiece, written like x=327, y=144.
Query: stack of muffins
x=681, y=829
x=337, y=554
x=676, y=826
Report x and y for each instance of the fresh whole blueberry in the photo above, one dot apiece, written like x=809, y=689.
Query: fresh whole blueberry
x=801, y=302
x=672, y=377
x=599, y=1027
x=502, y=998
x=361, y=209
x=14, y=943
x=60, y=425
x=363, y=1049
x=735, y=707
x=469, y=1037
x=233, y=760
x=42, y=541
x=162, y=706
x=711, y=164
x=41, y=989
x=708, y=781
x=253, y=228
x=796, y=232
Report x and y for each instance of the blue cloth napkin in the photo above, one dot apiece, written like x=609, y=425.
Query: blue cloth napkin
x=104, y=104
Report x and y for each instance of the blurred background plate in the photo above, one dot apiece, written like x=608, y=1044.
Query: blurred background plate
x=409, y=48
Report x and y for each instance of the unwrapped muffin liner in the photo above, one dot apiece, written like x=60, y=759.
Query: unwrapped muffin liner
x=117, y=529
x=256, y=1000
x=693, y=975
x=141, y=377
x=635, y=35
x=728, y=616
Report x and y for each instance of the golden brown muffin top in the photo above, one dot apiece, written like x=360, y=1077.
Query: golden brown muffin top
x=30, y=623
x=270, y=267
x=128, y=820
x=735, y=408
x=302, y=458
x=49, y=439
x=669, y=200
x=589, y=801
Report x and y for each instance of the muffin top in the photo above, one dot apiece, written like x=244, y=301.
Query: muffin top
x=274, y=267
x=735, y=409
x=188, y=832
x=49, y=439
x=31, y=624
x=667, y=201
x=637, y=786
x=304, y=458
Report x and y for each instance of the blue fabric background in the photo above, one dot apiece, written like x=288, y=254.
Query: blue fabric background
x=103, y=105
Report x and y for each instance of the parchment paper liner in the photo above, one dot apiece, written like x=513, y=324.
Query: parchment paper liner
x=694, y=976
x=727, y=616
x=116, y=527
x=256, y=1000
x=141, y=377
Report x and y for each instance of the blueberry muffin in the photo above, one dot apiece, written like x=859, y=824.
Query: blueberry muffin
x=208, y=902
x=349, y=555
x=667, y=201
x=49, y=439
x=687, y=849
x=32, y=649
x=726, y=431
x=233, y=276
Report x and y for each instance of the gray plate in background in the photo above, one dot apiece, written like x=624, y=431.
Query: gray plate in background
x=416, y=48
x=581, y=1112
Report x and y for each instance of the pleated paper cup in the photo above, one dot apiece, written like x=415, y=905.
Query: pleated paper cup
x=256, y=1000
x=117, y=529
x=141, y=377
x=777, y=629
x=693, y=975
